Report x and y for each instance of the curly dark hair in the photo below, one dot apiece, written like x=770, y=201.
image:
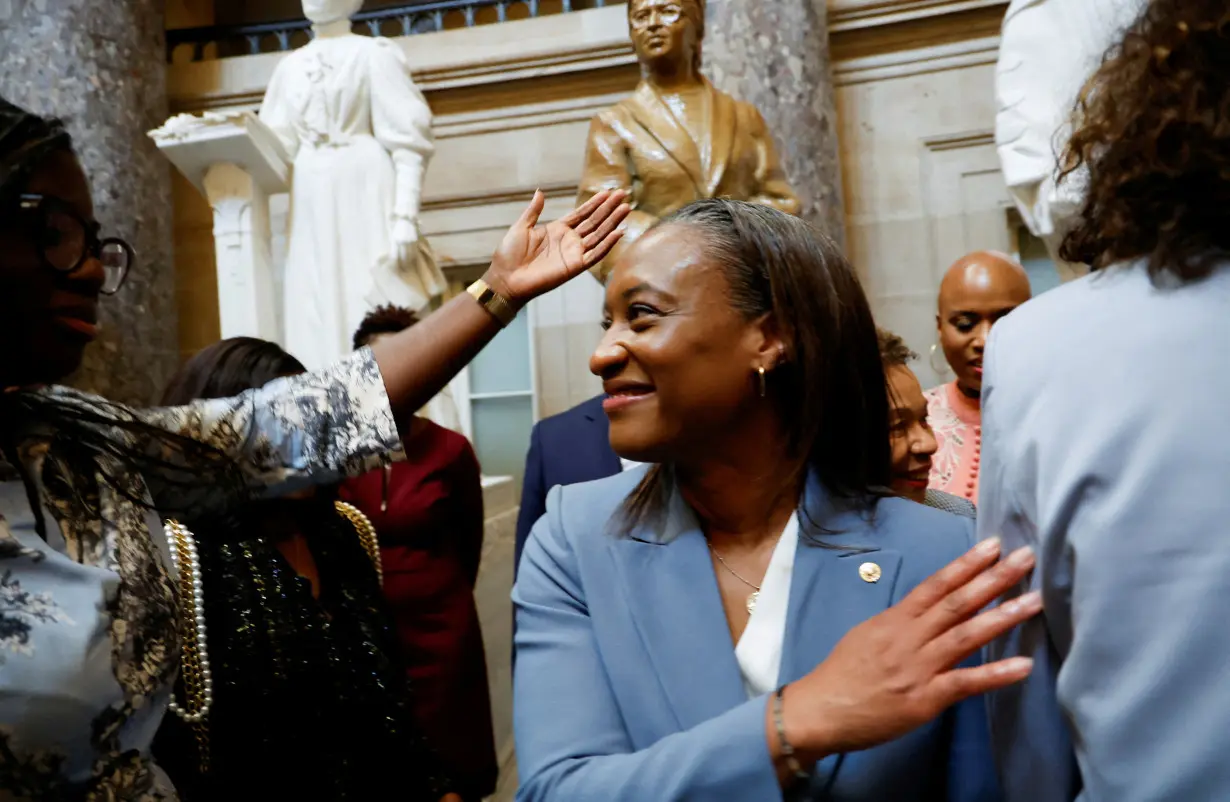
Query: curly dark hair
x=893, y=350
x=387, y=319
x=1153, y=128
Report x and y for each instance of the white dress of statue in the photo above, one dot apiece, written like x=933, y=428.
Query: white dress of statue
x=1048, y=50
x=358, y=131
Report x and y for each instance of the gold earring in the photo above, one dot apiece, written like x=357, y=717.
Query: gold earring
x=764, y=386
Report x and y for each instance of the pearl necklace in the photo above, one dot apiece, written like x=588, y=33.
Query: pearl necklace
x=194, y=666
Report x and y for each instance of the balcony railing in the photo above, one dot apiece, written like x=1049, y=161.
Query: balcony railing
x=222, y=41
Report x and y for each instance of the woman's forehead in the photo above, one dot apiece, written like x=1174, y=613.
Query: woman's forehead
x=60, y=176
x=666, y=255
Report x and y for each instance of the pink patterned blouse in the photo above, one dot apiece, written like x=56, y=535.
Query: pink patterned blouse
x=957, y=422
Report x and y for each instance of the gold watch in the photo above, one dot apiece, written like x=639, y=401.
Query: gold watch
x=499, y=306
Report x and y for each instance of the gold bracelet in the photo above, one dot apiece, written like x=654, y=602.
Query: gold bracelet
x=500, y=307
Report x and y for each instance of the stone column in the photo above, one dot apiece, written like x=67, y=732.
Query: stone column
x=775, y=55
x=101, y=67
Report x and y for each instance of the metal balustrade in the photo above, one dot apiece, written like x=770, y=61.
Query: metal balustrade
x=407, y=20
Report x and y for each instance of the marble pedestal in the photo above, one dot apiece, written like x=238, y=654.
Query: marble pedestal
x=236, y=163
x=775, y=55
x=101, y=67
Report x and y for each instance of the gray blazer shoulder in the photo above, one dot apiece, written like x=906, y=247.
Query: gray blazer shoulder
x=947, y=502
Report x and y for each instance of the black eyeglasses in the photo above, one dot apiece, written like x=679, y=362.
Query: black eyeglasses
x=66, y=241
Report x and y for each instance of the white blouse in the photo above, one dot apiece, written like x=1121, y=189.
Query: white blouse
x=759, y=650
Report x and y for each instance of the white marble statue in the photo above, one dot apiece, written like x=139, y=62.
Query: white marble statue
x=358, y=131
x=1048, y=50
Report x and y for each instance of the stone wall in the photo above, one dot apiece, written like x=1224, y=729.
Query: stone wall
x=776, y=57
x=922, y=182
x=101, y=68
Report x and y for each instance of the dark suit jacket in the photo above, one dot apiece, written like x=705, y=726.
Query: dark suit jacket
x=565, y=449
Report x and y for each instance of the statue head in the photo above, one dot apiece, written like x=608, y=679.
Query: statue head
x=321, y=12
x=667, y=33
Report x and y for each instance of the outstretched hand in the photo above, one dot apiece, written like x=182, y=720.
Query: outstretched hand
x=534, y=259
x=900, y=669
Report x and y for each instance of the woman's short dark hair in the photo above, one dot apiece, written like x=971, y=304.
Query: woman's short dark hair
x=383, y=320
x=229, y=368
x=893, y=350
x=830, y=388
x=25, y=141
x=1153, y=129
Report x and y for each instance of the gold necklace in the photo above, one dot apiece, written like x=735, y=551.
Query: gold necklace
x=755, y=596
x=366, y=532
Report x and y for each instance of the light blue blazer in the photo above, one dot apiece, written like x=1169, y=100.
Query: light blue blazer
x=627, y=688
x=1106, y=447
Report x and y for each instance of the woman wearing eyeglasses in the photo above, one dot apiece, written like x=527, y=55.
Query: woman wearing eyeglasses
x=92, y=612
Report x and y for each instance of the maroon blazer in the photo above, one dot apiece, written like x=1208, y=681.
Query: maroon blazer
x=431, y=540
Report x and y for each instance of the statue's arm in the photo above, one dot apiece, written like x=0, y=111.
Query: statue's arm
x=276, y=111
x=401, y=123
x=608, y=166
x=606, y=159
x=772, y=187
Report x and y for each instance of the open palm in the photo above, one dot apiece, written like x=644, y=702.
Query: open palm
x=534, y=259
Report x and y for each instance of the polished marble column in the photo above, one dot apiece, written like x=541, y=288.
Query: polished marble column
x=775, y=55
x=100, y=65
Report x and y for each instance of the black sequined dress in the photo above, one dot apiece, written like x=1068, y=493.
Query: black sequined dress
x=310, y=699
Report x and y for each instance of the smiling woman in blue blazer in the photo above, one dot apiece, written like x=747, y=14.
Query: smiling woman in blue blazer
x=718, y=627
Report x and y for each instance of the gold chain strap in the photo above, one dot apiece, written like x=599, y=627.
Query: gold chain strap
x=194, y=660
x=367, y=534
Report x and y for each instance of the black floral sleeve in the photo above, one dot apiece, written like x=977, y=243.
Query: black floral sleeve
x=309, y=429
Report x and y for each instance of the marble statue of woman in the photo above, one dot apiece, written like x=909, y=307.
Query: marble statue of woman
x=359, y=133
x=1048, y=49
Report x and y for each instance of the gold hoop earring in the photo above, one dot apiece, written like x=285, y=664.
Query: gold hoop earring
x=764, y=385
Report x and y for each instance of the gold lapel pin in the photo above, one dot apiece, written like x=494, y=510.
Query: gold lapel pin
x=870, y=572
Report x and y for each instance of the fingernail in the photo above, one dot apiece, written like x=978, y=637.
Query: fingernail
x=1028, y=604
x=1021, y=557
x=1014, y=666
x=989, y=546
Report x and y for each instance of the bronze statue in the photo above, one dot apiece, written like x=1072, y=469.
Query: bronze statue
x=677, y=138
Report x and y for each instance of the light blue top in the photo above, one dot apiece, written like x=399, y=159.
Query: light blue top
x=627, y=688
x=1106, y=447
